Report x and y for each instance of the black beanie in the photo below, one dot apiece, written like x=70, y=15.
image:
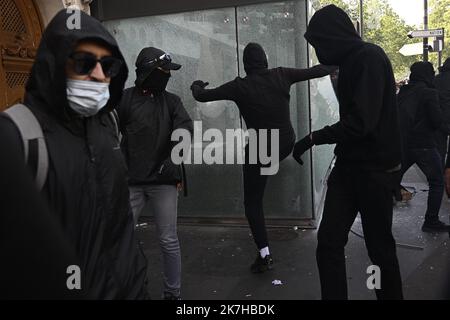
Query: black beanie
x=254, y=58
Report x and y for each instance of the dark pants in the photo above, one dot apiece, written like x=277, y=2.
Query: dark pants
x=370, y=193
x=430, y=162
x=254, y=186
x=441, y=142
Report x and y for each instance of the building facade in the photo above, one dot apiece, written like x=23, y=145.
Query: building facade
x=207, y=38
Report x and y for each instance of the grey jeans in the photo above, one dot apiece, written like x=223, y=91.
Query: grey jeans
x=162, y=201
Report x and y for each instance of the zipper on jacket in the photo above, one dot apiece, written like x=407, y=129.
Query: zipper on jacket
x=89, y=146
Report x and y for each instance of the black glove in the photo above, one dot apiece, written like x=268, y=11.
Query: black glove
x=199, y=83
x=301, y=147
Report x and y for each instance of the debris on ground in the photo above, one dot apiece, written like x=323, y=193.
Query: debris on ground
x=277, y=282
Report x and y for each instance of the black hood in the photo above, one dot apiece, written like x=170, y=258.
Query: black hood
x=46, y=87
x=145, y=66
x=255, y=58
x=422, y=72
x=446, y=66
x=332, y=34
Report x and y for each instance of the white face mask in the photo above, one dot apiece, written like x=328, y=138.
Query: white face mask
x=87, y=98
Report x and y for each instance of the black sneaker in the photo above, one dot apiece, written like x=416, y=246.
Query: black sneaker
x=435, y=226
x=262, y=264
x=170, y=296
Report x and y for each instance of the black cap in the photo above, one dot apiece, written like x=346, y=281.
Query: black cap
x=151, y=58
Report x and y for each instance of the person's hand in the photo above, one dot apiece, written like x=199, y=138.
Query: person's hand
x=179, y=186
x=447, y=181
x=301, y=147
x=199, y=83
x=332, y=70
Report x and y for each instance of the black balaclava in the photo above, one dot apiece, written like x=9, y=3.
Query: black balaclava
x=156, y=82
x=446, y=66
x=254, y=58
x=332, y=34
x=422, y=71
x=149, y=76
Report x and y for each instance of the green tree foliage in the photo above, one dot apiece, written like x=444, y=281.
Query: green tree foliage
x=383, y=27
x=439, y=17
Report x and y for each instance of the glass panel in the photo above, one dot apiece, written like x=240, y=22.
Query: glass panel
x=204, y=43
x=279, y=27
x=324, y=111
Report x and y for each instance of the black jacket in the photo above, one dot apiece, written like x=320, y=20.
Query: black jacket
x=86, y=187
x=442, y=84
x=367, y=134
x=147, y=123
x=263, y=97
x=34, y=252
x=427, y=115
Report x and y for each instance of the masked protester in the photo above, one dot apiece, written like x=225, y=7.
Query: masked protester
x=421, y=118
x=367, y=152
x=148, y=115
x=77, y=78
x=442, y=84
x=263, y=100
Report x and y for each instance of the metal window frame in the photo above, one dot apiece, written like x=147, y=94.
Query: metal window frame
x=105, y=10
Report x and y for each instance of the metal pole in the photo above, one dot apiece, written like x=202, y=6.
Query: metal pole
x=425, y=27
x=439, y=56
x=361, y=19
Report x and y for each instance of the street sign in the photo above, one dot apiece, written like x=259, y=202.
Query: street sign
x=426, y=33
x=437, y=46
x=412, y=49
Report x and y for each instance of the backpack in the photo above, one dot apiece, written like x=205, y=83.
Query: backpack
x=34, y=146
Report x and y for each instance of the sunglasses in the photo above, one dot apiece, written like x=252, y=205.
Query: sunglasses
x=84, y=63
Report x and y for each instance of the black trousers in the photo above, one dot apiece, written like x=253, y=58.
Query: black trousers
x=441, y=143
x=430, y=163
x=370, y=193
x=254, y=186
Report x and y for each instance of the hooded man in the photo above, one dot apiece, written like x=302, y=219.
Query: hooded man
x=148, y=115
x=367, y=152
x=263, y=100
x=77, y=78
x=421, y=118
x=442, y=84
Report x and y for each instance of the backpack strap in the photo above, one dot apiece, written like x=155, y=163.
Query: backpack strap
x=115, y=120
x=34, y=146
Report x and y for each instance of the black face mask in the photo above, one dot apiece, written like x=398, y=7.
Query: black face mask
x=156, y=82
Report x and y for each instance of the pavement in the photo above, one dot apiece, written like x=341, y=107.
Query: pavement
x=216, y=259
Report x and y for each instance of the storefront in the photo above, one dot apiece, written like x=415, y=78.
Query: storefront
x=208, y=40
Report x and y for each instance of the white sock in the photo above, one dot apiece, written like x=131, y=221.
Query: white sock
x=264, y=252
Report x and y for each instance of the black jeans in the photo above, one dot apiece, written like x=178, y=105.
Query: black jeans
x=254, y=186
x=441, y=142
x=430, y=163
x=370, y=193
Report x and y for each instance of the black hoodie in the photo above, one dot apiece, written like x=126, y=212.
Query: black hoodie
x=367, y=134
x=86, y=187
x=419, y=101
x=263, y=95
x=442, y=84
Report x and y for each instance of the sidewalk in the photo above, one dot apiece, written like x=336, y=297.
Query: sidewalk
x=216, y=260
